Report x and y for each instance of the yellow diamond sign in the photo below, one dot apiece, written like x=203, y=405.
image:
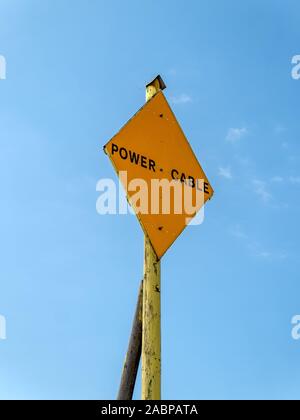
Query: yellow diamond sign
x=159, y=172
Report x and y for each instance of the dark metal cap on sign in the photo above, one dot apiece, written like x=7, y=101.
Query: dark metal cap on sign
x=157, y=81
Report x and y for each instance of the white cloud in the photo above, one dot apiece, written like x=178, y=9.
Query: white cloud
x=269, y=255
x=255, y=248
x=277, y=179
x=294, y=180
x=236, y=134
x=237, y=232
x=225, y=172
x=259, y=251
x=172, y=72
x=264, y=254
x=260, y=188
x=243, y=161
x=181, y=99
x=279, y=129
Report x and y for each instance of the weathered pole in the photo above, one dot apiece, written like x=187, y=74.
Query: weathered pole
x=133, y=355
x=151, y=347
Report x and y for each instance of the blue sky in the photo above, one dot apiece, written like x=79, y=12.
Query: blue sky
x=76, y=72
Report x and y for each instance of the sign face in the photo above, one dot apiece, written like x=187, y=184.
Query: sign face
x=150, y=153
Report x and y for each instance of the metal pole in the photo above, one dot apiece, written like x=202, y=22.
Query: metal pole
x=133, y=356
x=151, y=347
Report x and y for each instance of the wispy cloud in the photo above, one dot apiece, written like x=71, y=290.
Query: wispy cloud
x=264, y=254
x=293, y=159
x=172, y=72
x=225, y=172
x=277, y=179
x=279, y=129
x=236, y=134
x=294, y=180
x=243, y=160
x=260, y=188
x=254, y=247
x=237, y=232
x=181, y=99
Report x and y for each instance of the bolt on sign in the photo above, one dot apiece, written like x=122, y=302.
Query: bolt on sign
x=168, y=186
